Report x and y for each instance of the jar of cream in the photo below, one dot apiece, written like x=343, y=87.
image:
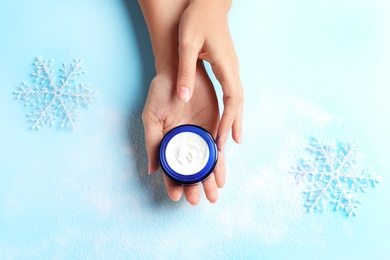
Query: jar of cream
x=188, y=154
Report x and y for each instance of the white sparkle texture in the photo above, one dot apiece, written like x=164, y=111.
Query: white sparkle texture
x=331, y=174
x=55, y=101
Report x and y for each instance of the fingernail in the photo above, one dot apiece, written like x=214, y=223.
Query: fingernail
x=149, y=169
x=239, y=139
x=184, y=94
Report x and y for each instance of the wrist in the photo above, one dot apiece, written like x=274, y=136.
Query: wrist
x=166, y=56
x=165, y=63
x=220, y=4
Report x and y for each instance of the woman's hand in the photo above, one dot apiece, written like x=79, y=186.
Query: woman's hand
x=204, y=34
x=182, y=33
x=164, y=110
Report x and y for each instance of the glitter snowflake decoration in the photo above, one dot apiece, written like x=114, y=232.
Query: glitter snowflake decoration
x=55, y=101
x=331, y=175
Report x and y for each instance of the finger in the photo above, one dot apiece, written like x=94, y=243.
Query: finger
x=192, y=193
x=227, y=119
x=153, y=136
x=175, y=191
x=220, y=171
x=233, y=102
x=210, y=188
x=188, y=56
x=237, y=126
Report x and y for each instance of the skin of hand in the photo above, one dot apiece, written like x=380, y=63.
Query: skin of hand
x=204, y=34
x=163, y=111
x=182, y=33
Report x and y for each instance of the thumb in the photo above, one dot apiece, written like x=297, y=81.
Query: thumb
x=188, y=56
x=153, y=137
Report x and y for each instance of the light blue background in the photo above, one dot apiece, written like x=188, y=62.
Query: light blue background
x=307, y=67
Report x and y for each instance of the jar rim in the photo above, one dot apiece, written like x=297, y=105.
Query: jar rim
x=203, y=173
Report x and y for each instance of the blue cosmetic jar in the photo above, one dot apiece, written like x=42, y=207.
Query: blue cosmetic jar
x=188, y=154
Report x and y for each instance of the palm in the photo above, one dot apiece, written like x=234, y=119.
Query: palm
x=163, y=111
x=201, y=110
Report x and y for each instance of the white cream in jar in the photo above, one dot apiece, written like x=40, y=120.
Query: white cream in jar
x=188, y=154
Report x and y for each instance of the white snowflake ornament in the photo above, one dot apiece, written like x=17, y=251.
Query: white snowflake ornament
x=331, y=175
x=55, y=101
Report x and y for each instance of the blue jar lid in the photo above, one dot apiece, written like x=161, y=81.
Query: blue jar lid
x=178, y=173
